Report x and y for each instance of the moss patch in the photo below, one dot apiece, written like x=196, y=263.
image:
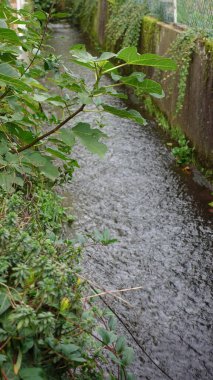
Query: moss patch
x=149, y=34
x=208, y=43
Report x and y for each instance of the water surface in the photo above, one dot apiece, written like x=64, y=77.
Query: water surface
x=165, y=240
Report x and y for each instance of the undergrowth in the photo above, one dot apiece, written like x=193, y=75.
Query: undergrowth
x=48, y=330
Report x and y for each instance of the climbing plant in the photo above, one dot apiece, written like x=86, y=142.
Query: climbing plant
x=181, y=51
x=124, y=23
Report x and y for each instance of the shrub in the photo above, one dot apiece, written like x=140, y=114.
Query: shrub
x=47, y=331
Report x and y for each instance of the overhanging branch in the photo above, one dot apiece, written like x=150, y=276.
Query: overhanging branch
x=49, y=133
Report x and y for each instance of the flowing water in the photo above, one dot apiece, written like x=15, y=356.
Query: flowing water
x=165, y=240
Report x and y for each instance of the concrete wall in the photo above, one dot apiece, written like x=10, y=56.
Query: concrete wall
x=196, y=117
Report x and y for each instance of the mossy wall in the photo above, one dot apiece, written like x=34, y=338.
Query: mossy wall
x=196, y=116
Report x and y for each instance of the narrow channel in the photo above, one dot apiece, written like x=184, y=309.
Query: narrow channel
x=164, y=240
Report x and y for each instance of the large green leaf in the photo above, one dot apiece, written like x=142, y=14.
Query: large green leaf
x=5, y=48
x=82, y=55
x=34, y=158
x=67, y=349
x=43, y=163
x=57, y=154
x=50, y=171
x=34, y=83
x=3, y=147
x=4, y=301
x=126, y=114
x=106, y=56
x=40, y=15
x=144, y=86
x=149, y=86
x=8, y=70
x=31, y=374
x=7, y=181
x=107, y=337
x=57, y=100
x=89, y=137
x=132, y=57
x=17, y=84
x=9, y=76
x=77, y=358
x=133, y=79
x=66, y=135
x=9, y=36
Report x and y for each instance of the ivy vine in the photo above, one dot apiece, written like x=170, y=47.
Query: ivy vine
x=124, y=24
x=181, y=51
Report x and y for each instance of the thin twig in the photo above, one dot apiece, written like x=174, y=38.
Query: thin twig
x=110, y=292
x=4, y=375
x=99, y=287
x=5, y=343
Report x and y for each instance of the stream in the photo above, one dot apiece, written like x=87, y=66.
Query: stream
x=159, y=216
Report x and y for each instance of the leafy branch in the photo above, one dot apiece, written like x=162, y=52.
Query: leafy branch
x=42, y=37
x=52, y=131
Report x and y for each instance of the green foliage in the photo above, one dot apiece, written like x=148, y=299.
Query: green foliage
x=83, y=11
x=32, y=119
x=181, y=51
x=45, y=5
x=182, y=152
x=124, y=25
x=46, y=330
